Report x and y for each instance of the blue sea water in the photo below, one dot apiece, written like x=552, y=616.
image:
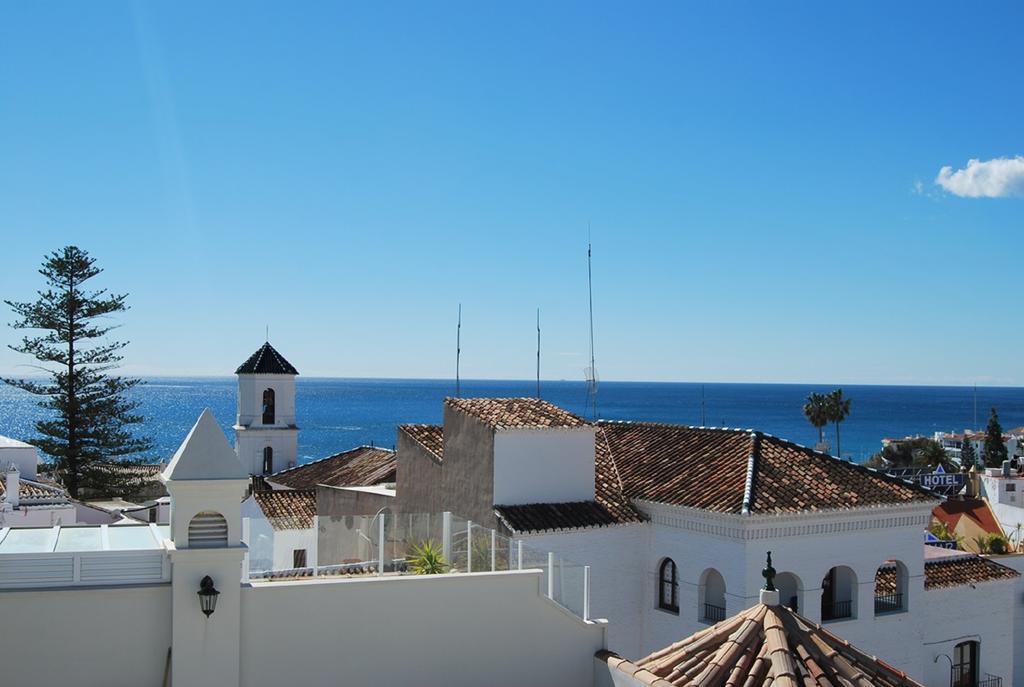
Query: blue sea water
x=337, y=414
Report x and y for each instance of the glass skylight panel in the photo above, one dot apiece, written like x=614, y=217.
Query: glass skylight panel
x=79, y=539
x=26, y=541
x=129, y=538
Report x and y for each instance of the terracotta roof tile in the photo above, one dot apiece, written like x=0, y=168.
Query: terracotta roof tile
x=430, y=437
x=961, y=570
x=737, y=471
x=288, y=509
x=762, y=645
x=516, y=413
x=30, y=492
x=365, y=466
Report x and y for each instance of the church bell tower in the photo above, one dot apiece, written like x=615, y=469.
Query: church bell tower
x=266, y=436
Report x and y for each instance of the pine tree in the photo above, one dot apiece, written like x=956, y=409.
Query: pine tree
x=968, y=459
x=994, y=450
x=90, y=415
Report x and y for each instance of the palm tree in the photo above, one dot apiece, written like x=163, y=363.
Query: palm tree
x=816, y=412
x=838, y=409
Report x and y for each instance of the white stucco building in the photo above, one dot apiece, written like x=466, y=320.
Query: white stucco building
x=674, y=521
x=168, y=605
x=24, y=500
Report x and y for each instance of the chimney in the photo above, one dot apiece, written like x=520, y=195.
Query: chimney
x=12, y=485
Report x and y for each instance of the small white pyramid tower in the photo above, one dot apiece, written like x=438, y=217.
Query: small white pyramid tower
x=206, y=483
x=266, y=436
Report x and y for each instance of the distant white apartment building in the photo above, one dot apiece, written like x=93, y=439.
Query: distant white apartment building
x=25, y=501
x=953, y=442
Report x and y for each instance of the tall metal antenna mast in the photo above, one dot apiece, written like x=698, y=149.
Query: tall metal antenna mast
x=458, y=353
x=975, y=427
x=538, y=352
x=592, y=371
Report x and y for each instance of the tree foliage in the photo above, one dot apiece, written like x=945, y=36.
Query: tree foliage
x=993, y=451
x=968, y=457
x=838, y=409
x=920, y=452
x=90, y=413
x=816, y=412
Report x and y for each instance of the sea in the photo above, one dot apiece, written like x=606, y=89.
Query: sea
x=337, y=414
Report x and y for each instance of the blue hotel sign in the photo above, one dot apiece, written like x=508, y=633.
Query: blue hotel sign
x=940, y=478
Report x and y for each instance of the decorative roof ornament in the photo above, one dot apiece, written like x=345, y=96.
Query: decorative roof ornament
x=768, y=573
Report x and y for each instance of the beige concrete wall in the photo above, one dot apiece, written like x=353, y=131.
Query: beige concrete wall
x=338, y=501
x=419, y=480
x=485, y=629
x=87, y=637
x=468, y=476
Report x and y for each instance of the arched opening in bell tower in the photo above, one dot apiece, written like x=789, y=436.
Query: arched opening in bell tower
x=268, y=406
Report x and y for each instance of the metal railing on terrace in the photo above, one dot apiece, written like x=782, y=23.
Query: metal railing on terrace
x=836, y=610
x=888, y=603
x=387, y=543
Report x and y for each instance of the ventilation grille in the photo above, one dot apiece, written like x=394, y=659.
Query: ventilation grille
x=207, y=530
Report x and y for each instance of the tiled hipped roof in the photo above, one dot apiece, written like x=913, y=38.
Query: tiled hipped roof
x=430, y=437
x=961, y=570
x=365, y=466
x=266, y=361
x=742, y=471
x=288, y=509
x=516, y=413
x=764, y=645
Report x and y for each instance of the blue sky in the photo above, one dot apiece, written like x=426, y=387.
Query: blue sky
x=760, y=181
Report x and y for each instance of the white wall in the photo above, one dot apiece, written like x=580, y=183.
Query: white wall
x=543, y=465
x=88, y=637
x=39, y=516
x=615, y=556
x=249, y=445
x=25, y=457
x=489, y=628
x=982, y=612
x=250, y=399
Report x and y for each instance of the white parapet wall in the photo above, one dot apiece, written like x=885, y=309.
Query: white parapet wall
x=481, y=629
x=87, y=637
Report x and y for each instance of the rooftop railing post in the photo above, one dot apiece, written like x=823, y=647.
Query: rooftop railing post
x=446, y=536
x=494, y=556
x=519, y=553
x=316, y=544
x=246, y=524
x=469, y=546
x=551, y=575
x=380, y=544
x=586, y=593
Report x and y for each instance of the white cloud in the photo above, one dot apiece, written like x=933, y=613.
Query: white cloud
x=998, y=178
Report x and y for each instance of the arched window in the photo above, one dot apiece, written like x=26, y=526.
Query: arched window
x=668, y=586
x=965, y=664
x=268, y=406
x=791, y=591
x=268, y=461
x=839, y=594
x=712, y=596
x=891, y=587
x=207, y=529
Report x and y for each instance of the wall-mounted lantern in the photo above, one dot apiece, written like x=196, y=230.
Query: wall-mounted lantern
x=207, y=596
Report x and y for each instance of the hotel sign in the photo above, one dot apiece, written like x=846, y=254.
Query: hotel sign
x=941, y=479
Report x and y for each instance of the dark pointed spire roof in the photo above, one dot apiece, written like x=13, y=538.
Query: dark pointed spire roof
x=266, y=361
